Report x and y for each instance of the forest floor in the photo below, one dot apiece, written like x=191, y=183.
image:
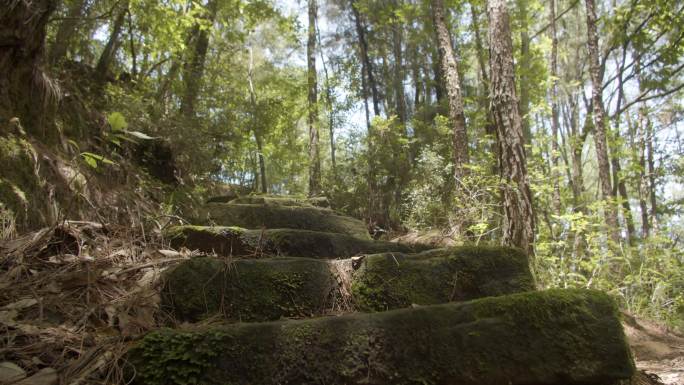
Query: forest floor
x=75, y=296
x=656, y=349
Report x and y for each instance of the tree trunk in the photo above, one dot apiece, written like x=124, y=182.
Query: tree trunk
x=619, y=186
x=193, y=70
x=555, y=175
x=518, y=225
x=314, y=154
x=365, y=59
x=453, y=89
x=599, y=116
x=109, y=51
x=399, y=97
x=255, y=123
x=25, y=91
x=524, y=71
x=66, y=31
x=331, y=107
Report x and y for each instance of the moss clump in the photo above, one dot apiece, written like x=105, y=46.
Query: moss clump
x=285, y=242
x=248, y=290
x=21, y=187
x=391, y=280
x=257, y=216
x=557, y=337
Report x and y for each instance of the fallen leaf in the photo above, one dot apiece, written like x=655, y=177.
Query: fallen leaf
x=10, y=372
x=8, y=317
x=45, y=376
x=21, y=304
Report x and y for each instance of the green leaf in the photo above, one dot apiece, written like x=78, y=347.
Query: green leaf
x=93, y=160
x=117, y=121
x=139, y=135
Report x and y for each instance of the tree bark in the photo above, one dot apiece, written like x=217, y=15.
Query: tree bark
x=331, y=107
x=453, y=90
x=524, y=71
x=255, y=123
x=518, y=225
x=365, y=59
x=555, y=175
x=599, y=116
x=66, y=31
x=619, y=187
x=314, y=154
x=399, y=97
x=193, y=70
x=25, y=91
x=109, y=51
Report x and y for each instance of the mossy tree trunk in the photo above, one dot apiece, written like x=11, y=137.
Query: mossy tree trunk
x=25, y=90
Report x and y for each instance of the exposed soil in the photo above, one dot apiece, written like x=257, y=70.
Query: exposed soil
x=656, y=349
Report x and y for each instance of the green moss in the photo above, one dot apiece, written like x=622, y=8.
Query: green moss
x=555, y=337
x=285, y=242
x=250, y=290
x=267, y=289
x=393, y=280
x=255, y=216
x=21, y=188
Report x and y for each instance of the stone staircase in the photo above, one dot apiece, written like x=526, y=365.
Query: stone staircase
x=301, y=295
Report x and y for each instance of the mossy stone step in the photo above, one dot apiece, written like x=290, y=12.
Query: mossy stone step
x=283, y=200
x=237, y=241
x=393, y=280
x=272, y=200
x=271, y=288
x=257, y=216
x=555, y=337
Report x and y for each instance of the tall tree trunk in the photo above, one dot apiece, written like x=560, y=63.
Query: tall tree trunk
x=398, y=79
x=518, y=226
x=331, y=107
x=314, y=154
x=651, y=176
x=453, y=89
x=619, y=186
x=25, y=91
x=109, y=51
x=524, y=71
x=489, y=127
x=193, y=70
x=599, y=115
x=365, y=59
x=66, y=31
x=255, y=123
x=555, y=174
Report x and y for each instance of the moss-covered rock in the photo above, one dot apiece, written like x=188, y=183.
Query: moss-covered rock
x=248, y=290
x=267, y=289
x=236, y=241
x=391, y=280
x=557, y=337
x=257, y=216
x=282, y=200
